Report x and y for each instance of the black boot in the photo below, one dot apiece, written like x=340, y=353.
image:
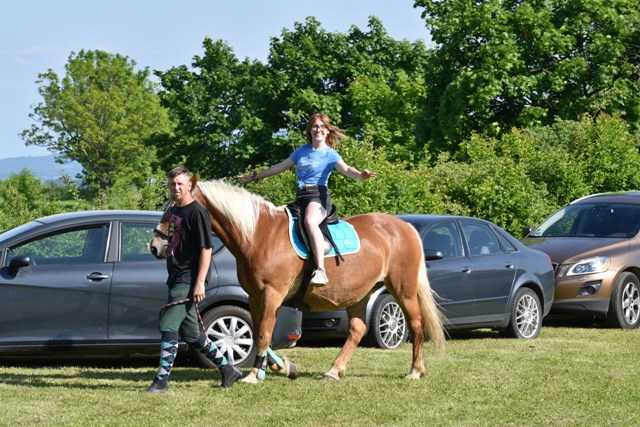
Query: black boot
x=158, y=386
x=229, y=375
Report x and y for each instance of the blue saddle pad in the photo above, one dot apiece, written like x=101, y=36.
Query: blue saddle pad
x=343, y=234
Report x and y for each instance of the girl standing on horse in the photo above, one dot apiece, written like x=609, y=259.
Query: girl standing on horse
x=314, y=163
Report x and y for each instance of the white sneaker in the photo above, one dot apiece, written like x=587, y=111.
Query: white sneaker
x=319, y=277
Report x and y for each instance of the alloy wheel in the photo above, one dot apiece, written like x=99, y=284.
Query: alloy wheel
x=233, y=336
x=392, y=325
x=527, y=316
x=631, y=303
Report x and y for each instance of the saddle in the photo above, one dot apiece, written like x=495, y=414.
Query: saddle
x=341, y=235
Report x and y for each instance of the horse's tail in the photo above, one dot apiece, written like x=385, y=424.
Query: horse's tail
x=432, y=318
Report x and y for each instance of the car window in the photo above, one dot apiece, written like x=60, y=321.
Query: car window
x=135, y=238
x=443, y=237
x=134, y=241
x=609, y=220
x=84, y=245
x=480, y=238
x=506, y=245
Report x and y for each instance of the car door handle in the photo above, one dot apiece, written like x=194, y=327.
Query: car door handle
x=510, y=266
x=466, y=270
x=97, y=276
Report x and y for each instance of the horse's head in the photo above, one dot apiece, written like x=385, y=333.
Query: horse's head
x=160, y=240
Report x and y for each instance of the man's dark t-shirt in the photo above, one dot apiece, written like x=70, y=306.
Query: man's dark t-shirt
x=189, y=232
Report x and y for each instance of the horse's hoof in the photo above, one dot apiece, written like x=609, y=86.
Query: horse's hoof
x=414, y=375
x=331, y=375
x=291, y=369
x=250, y=379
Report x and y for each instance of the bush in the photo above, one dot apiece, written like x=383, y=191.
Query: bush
x=492, y=187
x=23, y=198
x=399, y=187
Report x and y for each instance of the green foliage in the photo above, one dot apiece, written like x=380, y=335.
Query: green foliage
x=519, y=178
x=23, y=197
x=212, y=106
x=125, y=194
x=99, y=114
x=232, y=114
x=500, y=64
x=572, y=158
x=399, y=187
x=491, y=187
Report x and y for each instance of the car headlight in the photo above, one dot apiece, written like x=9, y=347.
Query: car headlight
x=597, y=264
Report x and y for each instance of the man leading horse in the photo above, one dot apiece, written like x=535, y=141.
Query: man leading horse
x=188, y=259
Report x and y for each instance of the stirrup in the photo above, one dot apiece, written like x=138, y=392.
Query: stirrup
x=319, y=277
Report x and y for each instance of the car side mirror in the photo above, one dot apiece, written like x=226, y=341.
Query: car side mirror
x=19, y=262
x=432, y=255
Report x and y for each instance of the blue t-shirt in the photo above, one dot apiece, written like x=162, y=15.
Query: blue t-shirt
x=314, y=166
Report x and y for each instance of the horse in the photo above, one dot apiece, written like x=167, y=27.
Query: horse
x=270, y=271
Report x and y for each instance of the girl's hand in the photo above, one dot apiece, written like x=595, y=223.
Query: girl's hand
x=248, y=178
x=367, y=174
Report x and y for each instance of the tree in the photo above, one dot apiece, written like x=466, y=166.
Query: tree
x=217, y=128
x=370, y=84
x=99, y=114
x=231, y=114
x=505, y=63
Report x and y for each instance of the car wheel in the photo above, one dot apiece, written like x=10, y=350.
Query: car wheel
x=624, y=307
x=388, y=328
x=526, y=315
x=231, y=329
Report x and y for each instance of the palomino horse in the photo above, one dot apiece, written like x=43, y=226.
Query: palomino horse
x=256, y=232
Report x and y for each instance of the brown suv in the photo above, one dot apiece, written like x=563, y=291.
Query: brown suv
x=594, y=245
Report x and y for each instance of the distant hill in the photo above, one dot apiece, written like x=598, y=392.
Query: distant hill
x=44, y=167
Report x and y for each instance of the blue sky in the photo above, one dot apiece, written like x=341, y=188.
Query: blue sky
x=38, y=35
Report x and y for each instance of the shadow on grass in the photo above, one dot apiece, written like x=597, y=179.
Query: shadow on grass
x=92, y=379
x=575, y=321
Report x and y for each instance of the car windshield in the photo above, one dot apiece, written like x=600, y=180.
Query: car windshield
x=6, y=235
x=592, y=220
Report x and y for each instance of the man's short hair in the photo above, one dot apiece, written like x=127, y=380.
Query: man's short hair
x=179, y=170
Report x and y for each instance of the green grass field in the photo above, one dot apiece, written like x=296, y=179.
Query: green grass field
x=569, y=376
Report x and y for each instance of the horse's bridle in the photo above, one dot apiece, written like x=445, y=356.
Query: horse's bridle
x=160, y=233
x=157, y=230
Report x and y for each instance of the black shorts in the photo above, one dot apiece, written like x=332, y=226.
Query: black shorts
x=313, y=193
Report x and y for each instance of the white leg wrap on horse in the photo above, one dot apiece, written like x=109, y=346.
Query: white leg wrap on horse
x=332, y=374
x=252, y=377
x=414, y=375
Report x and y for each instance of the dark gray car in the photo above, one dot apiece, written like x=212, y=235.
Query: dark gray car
x=85, y=283
x=483, y=276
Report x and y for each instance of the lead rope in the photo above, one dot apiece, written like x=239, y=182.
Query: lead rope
x=185, y=301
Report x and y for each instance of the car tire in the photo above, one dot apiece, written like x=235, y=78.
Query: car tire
x=231, y=328
x=388, y=327
x=624, y=305
x=526, y=315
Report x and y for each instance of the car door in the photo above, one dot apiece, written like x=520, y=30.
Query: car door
x=449, y=276
x=492, y=270
x=138, y=289
x=62, y=296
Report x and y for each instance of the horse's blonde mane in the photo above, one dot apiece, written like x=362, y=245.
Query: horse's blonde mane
x=241, y=207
